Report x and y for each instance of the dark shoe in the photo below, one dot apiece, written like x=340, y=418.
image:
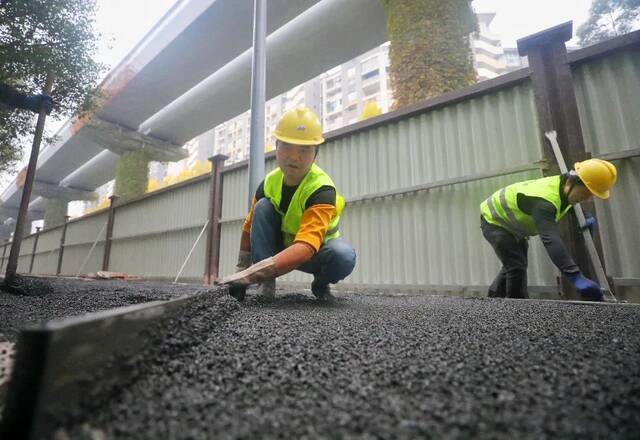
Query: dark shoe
x=321, y=291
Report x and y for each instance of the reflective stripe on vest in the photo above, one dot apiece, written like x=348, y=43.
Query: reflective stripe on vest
x=512, y=218
x=315, y=179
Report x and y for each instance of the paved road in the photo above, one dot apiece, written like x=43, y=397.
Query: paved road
x=388, y=367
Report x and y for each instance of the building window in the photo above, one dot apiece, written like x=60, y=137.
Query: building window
x=371, y=74
x=369, y=64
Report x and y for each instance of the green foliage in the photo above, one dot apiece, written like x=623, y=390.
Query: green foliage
x=37, y=36
x=132, y=171
x=430, y=50
x=608, y=19
x=54, y=212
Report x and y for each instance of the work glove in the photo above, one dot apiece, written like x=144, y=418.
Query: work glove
x=244, y=260
x=588, y=290
x=590, y=223
x=264, y=270
x=36, y=102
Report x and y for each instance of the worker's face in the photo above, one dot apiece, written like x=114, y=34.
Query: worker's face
x=578, y=193
x=295, y=160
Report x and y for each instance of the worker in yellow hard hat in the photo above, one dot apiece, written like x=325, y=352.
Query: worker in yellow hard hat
x=295, y=217
x=371, y=109
x=524, y=209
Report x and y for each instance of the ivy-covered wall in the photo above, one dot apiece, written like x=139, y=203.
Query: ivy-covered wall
x=132, y=174
x=54, y=213
x=430, y=50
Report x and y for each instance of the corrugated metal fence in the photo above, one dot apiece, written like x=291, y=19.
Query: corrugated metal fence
x=413, y=180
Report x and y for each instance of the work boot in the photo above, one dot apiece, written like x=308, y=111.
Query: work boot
x=321, y=291
x=267, y=289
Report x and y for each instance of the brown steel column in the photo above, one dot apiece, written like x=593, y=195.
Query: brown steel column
x=557, y=110
x=109, y=232
x=212, y=256
x=4, y=252
x=63, y=237
x=35, y=247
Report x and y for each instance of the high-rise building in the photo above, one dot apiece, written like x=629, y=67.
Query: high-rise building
x=488, y=55
x=347, y=88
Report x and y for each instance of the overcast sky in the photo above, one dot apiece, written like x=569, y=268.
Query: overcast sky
x=519, y=18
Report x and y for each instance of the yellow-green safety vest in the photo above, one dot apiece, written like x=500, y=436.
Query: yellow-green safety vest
x=501, y=208
x=314, y=179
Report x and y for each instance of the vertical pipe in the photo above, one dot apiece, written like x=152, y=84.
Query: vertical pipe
x=12, y=266
x=107, y=239
x=63, y=237
x=258, y=85
x=35, y=247
x=212, y=255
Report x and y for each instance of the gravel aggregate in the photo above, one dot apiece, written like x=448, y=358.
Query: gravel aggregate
x=385, y=367
x=57, y=298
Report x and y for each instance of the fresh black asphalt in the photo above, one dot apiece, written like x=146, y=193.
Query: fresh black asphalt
x=382, y=367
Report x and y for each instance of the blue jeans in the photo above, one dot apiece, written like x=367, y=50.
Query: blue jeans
x=333, y=262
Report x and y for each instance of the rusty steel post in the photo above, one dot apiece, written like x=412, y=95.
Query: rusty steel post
x=557, y=109
x=63, y=237
x=109, y=233
x=212, y=255
x=35, y=247
x=12, y=265
x=4, y=252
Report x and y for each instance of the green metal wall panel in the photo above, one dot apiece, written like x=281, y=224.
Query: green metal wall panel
x=608, y=95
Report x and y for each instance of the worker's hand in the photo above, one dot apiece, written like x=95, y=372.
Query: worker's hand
x=588, y=290
x=264, y=270
x=36, y=102
x=244, y=260
x=590, y=223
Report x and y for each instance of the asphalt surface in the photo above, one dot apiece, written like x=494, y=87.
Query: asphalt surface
x=57, y=298
x=383, y=367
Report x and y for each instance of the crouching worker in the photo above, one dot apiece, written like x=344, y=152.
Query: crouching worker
x=294, y=219
x=513, y=214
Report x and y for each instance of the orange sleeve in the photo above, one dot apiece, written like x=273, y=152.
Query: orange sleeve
x=292, y=257
x=314, y=225
x=247, y=220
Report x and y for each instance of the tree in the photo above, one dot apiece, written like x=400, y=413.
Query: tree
x=430, y=49
x=608, y=19
x=37, y=36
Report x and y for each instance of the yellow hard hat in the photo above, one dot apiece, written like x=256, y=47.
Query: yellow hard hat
x=370, y=110
x=598, y=176
x=299, y=126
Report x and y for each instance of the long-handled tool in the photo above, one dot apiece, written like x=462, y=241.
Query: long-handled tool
x=586, y=234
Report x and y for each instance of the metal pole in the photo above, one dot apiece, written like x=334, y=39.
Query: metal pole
x=107, y=239
x=212, y=253
x=586, y=234
x=12, y=266
x=4, y=252
x=62, y=241
x=35, y=247
x=258, y=85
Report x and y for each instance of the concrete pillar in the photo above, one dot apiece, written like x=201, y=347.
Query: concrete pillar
x=132, y=174
x=55, y=212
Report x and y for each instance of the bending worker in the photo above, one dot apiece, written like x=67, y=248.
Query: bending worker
x=513, y=214
x=294, y=219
